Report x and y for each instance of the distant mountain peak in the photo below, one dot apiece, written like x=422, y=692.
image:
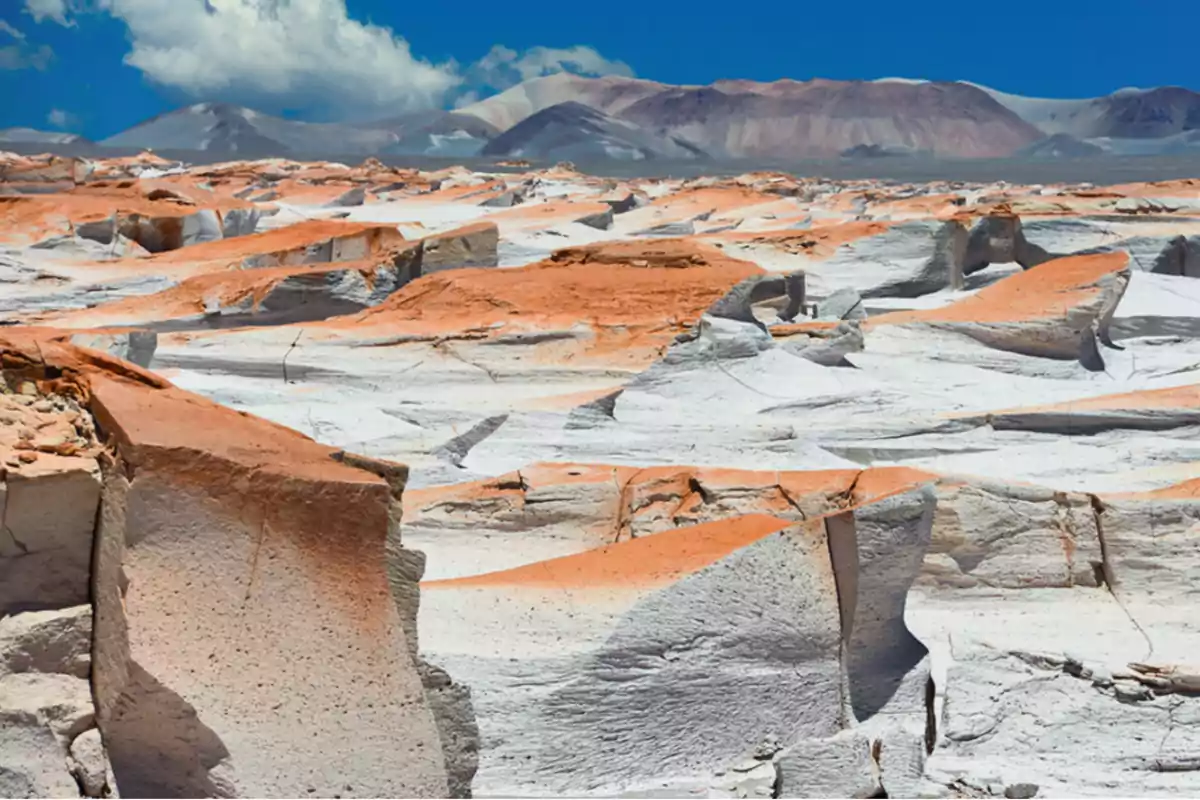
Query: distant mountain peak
x=622, y=117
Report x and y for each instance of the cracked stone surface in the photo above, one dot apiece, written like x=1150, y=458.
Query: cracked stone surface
x=533, y=483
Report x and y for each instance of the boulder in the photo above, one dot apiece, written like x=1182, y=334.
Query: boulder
x=694, y=683
x=622, y=204
x=989, y=534
x=505, y=199
x=841, y=766
x=842, y=304
x=135, y=346
x=318, y=242
x=600, y=220
x=57, y=641
x=60, y=703
x=321, y=294
x=156, y=234
x=721, y=646
x=239, y=222
x=877, y=550
x=831, y=348
x=351, y=197
x=738, y=304
x=670, y=229
x=1046, y=311
x=1179, y=256
x=909, y=259
x=89, y=765
x=1014, y=718
x=48, y=745
x=470, y=246
x=1000, y=239
x=283, y=667
x=48, y=513
x=31, y=761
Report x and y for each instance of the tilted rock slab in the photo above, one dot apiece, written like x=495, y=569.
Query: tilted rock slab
x=1000, y=239
x=1045, y=311
x=252, y=614
x=707, y=657
x=909, y=259
x=283, y=627
x=297, y=293
x=157, y=234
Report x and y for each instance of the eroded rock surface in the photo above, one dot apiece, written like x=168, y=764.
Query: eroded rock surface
x=534, y=483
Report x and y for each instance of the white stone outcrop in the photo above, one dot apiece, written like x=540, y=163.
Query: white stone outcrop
x=282, y=592
x=135, y=346
x=156, y=234
x=909, y=259
x=767, y=650
x=49, y=492
x=49, y=745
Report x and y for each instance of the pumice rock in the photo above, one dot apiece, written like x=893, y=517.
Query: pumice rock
x=441, y=494
x=171, y=729
x=1000, y=239
x=632, y=590
x=1044, y=311
x=48, y=743
x=136, y=346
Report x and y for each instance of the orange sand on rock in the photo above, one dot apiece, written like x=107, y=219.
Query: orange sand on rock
x=1183, y=187
x=814, y=327
x=188, y=297
x=560, y=402
x=878, y=483
x=820, y=241
x=1179, y=397
x=634, y=298
x=280, y=240
x=528, y=216
x=1186, y=490
x=688, y=203
x=36, y=217
x=230, y=286
x=170, y=419
x=651, y=560
x=666, y=557
x=777, y=492
x=1044, y=292
x=468, y=193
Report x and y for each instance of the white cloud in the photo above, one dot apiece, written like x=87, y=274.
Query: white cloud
x=60, y=119
x=278, y=52
x=307, y=56
x=55, y=10
x=22, y=55
x=503, y=67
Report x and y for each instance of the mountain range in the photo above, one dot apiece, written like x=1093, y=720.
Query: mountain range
x=567, y=117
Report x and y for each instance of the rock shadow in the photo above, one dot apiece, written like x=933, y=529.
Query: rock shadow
x=158, y=746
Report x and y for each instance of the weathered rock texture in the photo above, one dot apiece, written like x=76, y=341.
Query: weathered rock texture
x=940, y=538
x=693, y=630
x=247, y=640
x=1047, y=311
x=999, y=239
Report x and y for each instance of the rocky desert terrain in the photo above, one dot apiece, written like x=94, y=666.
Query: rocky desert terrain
x=337, y=480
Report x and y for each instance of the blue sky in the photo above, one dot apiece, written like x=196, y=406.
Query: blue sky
x=99, y=66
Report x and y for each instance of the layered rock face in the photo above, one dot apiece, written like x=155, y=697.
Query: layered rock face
x=541, y=484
